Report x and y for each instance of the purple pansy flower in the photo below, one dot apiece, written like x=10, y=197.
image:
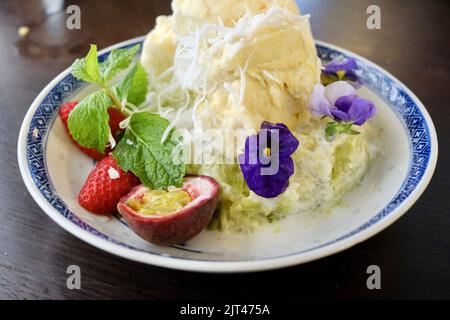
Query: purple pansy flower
x=353, y=109
x=340, y=102
x=323, y=98
x=341, y=71
x=266, y=163
x=288, y=143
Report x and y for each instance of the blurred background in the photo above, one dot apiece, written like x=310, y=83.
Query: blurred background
x=414, y=254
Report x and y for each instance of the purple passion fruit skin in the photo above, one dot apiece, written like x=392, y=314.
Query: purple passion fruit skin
x=171, y=217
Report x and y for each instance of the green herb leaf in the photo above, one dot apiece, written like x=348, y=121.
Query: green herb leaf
x=158, y=165
x=122, y=89
x=334, y=128
x=133, y=86
x=139, y=86
x=87, y=69
x=118, y=60
x=88, y=122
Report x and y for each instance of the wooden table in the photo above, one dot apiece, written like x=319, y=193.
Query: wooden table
x=414, y=253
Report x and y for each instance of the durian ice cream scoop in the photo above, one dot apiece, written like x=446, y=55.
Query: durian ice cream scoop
x=244, y=61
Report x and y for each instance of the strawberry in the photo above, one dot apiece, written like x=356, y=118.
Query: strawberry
x=115, y=117
x=105, y=185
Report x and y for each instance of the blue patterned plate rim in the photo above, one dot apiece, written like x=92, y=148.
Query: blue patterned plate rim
x=423, y=148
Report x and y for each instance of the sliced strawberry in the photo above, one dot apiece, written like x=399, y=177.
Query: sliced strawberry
x=115, y=117
x=104, y=187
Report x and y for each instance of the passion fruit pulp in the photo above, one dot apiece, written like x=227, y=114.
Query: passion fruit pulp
x=160, y=202
x=173, y=216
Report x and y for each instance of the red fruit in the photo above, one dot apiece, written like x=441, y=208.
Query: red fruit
x=115, y=117
x=176, y=227
x=104, y=187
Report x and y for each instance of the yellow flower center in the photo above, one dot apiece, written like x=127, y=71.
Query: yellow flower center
x=267, y=152
x=340, y=74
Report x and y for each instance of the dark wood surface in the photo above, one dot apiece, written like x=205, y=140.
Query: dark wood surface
x=414, y=253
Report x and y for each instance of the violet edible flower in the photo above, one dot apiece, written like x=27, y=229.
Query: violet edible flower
x=266, y=163
x=353, y=109
x=341, y=71
x=339, y=102
x=323, y=98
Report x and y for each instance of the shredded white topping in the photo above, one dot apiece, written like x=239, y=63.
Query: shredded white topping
x=197, y=66
x=113, y=173
x=112, y=141
x=173, y=123
x=267, y=74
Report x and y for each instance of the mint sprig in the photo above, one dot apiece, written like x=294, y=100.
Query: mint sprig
x=118, y=60
x=334, y=128
x=137, y=93
x=88, y=122
x=158, y=165
x=87, y=69
x=133, y=87
x=90, y=70
x=141, y=151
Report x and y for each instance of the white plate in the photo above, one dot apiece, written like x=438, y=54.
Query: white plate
x=54, y=170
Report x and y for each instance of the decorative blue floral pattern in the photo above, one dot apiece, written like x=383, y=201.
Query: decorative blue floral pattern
x=384, y=86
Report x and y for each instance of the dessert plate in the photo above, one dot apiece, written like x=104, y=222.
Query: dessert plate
x=54, y=170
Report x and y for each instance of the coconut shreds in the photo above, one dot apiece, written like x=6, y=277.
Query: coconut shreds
x=112, y=141
x=195, y=53
x=113, y=173
x=271, y=76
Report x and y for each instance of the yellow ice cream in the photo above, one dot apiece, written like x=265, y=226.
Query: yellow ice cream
x=191, y=14
x=159, y=47
x=256, y=59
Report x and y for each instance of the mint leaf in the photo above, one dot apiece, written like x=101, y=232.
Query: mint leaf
x=88, y=122
x=140, y=150
x=133, y=86
x=87, y=69
x=118, y=60
x=139, y=86
x=334, y=128
x=122, y=89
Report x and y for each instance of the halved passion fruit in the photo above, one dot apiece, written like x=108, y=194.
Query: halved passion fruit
x=173, y=216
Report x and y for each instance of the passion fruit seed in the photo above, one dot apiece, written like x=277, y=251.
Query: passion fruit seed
x=160, y=202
